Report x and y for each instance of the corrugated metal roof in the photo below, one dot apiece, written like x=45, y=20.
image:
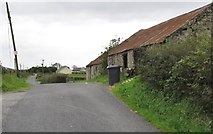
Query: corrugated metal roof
x=157, y=33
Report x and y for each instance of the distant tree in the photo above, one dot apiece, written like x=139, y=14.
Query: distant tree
x=52, y=69
x=113, y=43
x=42, y=70
x=57, y=65
x=74, y=66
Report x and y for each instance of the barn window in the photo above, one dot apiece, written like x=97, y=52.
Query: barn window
x=125, y=62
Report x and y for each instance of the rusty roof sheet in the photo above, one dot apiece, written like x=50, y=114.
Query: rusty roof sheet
x=155, y=34
x=97, y=61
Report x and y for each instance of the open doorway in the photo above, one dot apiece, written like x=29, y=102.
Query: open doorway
x=125, y=60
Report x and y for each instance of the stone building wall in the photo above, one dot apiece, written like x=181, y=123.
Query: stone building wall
x=88, y=73
x=92, y=71
x=118, y=59
x=201, y=23
x=131, y=59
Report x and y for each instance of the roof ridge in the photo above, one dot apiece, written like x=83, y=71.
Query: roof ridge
x=159, y=28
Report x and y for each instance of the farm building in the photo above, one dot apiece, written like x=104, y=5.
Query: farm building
x=93, y=68
x=178, y=28
x=79, y=70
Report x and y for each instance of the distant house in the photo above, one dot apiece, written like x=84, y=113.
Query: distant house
x=64, y=70
x=79, y=70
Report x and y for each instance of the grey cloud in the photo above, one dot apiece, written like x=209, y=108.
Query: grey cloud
x=108, y=11
x=27, y=17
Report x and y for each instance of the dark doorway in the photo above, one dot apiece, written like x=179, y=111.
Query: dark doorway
x=125, y=60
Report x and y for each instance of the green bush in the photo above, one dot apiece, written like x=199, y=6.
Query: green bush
x=158, y=60
x=181, y=69
x=53, y=78
x=100, y=79
x=191, y=76
x=42, y=70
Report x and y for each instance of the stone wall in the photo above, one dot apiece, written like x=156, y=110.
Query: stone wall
x=88, y=73
x=131, y=59
x=117, y=59
x=201, y=23
x=92, y=71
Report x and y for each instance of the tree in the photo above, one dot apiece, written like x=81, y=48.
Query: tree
x=42, y=70
x=113, y=43
x=74, y=66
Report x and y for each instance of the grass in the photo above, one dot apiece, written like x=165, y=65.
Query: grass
x=167, y=114
x=10, y=83
x=100, y=79
x=77, y=77
x=105, y=80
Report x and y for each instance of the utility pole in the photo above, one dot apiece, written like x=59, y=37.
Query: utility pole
x=13, y=39
x=42, y=64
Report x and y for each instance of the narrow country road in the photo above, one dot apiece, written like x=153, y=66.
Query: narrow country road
x=72, y=107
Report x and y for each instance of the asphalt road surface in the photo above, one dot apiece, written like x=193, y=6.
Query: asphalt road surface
x=71, y=107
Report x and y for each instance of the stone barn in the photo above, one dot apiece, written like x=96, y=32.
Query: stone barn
x=178, y=28
x=93, y=68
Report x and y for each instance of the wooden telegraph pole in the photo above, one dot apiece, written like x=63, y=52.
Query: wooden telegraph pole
x=13, y=39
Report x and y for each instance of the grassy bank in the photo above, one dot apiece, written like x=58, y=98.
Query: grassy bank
x=100, y=79
x=105, y=80
x=10, y=83
x=167, y=114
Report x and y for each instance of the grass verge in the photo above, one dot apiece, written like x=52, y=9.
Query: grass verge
x=167, y=114
x=104, y=79
x=77, y=77
x=100, y=79
x=10, y=83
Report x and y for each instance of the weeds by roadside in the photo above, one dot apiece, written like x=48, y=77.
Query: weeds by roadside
x=10, y=83
x=165, y=112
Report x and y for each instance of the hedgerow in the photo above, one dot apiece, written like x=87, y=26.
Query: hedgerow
x=181, y=69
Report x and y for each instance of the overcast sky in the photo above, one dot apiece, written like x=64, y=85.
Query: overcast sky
x=76, y=33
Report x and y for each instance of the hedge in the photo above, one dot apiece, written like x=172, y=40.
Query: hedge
x=181, y=69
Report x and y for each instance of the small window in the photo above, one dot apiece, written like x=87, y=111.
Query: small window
x=125, y=62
